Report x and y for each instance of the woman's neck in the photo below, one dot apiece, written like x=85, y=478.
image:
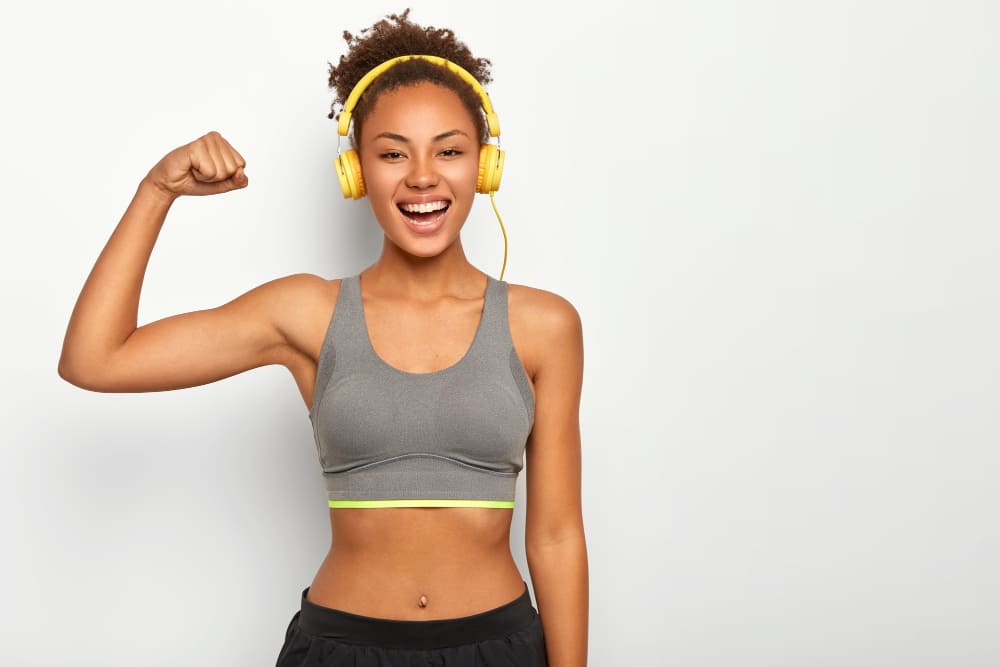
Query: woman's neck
x=402, y=273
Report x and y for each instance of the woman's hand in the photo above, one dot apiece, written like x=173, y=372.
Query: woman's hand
x=206, y=166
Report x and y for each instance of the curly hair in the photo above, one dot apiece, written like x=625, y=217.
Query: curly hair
x=396, y=35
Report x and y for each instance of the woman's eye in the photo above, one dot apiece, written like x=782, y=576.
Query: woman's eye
x=451, y=152
x=392, y=155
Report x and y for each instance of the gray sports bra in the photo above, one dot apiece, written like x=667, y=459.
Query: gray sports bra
x=390, y=438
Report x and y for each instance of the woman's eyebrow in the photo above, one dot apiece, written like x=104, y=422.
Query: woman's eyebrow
x=450, y=133
x=399, y=137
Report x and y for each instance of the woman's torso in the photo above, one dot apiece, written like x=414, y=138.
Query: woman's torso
x=409, y=563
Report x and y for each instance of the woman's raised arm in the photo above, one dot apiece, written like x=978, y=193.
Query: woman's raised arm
x=104, y=350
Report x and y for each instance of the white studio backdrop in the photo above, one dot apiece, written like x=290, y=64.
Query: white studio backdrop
x=778, y=221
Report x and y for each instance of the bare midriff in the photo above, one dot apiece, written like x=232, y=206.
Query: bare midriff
x=418, y=563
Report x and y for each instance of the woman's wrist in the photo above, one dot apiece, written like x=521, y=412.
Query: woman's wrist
x=149, y=188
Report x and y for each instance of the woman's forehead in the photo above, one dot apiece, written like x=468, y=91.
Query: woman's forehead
x=420, y=111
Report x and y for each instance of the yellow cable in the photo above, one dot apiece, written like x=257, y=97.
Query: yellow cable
x=504, y=231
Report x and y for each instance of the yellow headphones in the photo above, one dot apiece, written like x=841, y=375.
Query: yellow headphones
x=348, y=164
x=491, y=158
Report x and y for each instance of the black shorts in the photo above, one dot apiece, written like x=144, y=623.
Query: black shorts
x=509, y=635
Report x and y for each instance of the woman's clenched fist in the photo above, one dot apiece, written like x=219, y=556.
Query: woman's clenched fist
x=206, y=166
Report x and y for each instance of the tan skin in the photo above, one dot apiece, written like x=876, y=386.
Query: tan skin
x=422, y=302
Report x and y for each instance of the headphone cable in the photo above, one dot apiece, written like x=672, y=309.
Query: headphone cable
x=504, y=232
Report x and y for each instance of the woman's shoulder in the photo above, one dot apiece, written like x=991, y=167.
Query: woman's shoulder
x=537, y=302
x=301, y=306
x=544, y=314
x=303, y=286
x=299, y=300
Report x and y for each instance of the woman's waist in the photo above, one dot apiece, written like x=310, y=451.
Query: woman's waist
x=420, y=530
x=418, y=585
x=431, y=628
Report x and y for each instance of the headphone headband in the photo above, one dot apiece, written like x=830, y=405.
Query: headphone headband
x=344, y=122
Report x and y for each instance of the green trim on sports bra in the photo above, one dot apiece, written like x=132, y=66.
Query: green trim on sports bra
x=421, y=502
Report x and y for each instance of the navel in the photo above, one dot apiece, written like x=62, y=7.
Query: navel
x=422, y=602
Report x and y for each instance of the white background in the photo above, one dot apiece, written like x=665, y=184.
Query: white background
x=778, y=221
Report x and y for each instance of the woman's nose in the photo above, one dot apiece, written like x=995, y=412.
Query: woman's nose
x=422, y=174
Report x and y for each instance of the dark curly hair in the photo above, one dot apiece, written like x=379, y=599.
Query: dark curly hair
x=396, y=35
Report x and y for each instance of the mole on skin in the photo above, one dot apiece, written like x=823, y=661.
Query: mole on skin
x=422, y=602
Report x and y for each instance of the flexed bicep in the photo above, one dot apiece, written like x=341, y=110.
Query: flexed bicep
x=195, y=348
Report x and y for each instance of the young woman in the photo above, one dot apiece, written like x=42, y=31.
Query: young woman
x=428, y=382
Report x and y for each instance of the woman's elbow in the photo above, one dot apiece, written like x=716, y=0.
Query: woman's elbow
x=79, y=375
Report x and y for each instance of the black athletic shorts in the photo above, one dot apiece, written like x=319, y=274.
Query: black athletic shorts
x=509, y=636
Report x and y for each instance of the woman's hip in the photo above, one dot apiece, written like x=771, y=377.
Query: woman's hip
x=510, y=634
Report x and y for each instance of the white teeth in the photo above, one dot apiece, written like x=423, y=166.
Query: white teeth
x=429, y=207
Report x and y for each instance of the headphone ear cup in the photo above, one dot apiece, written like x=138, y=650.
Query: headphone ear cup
x=352, y=181
x=490, y=169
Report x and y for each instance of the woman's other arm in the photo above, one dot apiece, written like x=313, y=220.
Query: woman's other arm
x=555, y=544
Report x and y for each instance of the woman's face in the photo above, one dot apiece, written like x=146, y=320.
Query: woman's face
x=420, y=157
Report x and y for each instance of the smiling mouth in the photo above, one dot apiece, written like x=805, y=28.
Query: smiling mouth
x=426, y=213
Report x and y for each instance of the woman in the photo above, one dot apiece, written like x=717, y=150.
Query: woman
x=426, y=379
